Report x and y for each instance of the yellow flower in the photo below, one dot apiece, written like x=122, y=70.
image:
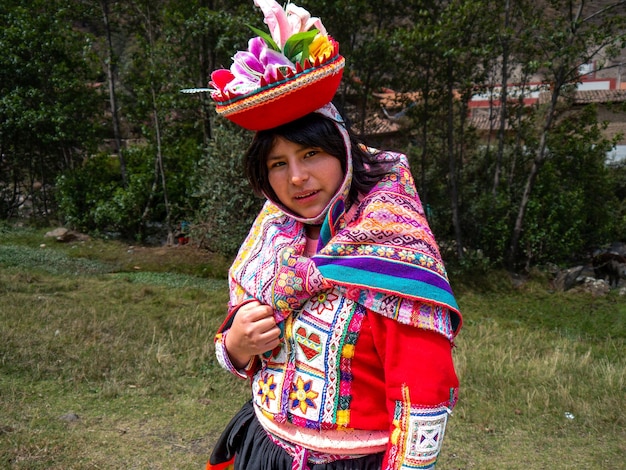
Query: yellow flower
x=266, y=389
x=321, y=48
x=302, y=394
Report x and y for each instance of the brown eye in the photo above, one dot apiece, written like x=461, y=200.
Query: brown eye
x=275, y=164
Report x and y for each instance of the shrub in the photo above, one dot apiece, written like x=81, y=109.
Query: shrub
x=227, y=205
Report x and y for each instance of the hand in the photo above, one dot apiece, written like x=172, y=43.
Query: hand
x=252, y=332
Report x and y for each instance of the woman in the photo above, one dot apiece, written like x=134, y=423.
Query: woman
x=340, y=315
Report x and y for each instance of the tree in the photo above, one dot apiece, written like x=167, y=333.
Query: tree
x=441, y=53
x=111, y=74
x=48, y=101
x=572, y=34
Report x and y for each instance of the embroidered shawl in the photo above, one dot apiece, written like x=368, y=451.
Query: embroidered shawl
x=385, y=258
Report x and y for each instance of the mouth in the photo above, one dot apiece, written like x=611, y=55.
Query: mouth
x=305, y=195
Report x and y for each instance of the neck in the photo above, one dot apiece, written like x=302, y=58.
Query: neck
x=313, y=231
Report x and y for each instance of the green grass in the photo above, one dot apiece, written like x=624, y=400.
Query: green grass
x=123, y=338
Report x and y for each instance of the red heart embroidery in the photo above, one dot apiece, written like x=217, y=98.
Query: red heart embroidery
x=310, y=344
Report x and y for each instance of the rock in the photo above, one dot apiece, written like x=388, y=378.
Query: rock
x=65, y=235
x=595, y=287
x=569, y=278
x=57, y=232
x=69, y=417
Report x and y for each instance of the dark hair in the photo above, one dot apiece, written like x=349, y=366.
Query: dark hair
x=314, y=130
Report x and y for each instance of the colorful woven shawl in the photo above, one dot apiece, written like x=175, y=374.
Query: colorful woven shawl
x=385, y=258
x=387, y=254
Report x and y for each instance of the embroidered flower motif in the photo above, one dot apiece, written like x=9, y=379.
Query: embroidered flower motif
x=385, y=251
x=345, y=249
x=302, y=395
x=406, y=179
x=290, y=282
x=426, y=261
x=406, y=255
x=266, y=389
x=365, y=250
x=324, y=301
x=286, y=304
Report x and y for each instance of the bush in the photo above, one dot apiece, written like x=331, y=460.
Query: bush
x=92, y=198
x=227, y=205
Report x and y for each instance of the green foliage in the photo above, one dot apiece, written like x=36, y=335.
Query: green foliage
x=54, y=107
x=81, y=191
x=488, y=220
x=227, y=206
x=572, y=206
x=617, y=184
x=92, y=197
x=48, y=107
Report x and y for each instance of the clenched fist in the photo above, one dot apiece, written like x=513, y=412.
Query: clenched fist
x=253, y=331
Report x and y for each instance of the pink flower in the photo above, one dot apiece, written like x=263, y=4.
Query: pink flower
x=295, y=37
x=248, y=67
x=285, y=23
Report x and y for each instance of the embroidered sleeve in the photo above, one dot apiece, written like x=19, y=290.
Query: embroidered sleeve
x=420, y=387
x=297, y=280
x=224, y=360
x=220, y=347
x=417, y=435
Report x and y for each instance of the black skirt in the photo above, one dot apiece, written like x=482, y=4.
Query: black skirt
x=245, y=439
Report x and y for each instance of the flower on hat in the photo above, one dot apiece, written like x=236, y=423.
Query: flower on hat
x=296, y=42
x=284, y=23
x=249, y=66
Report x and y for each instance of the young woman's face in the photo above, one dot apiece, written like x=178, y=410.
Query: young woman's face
x=304, y=179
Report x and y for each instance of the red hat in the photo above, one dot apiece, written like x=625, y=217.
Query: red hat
x=285, y=100
x=282, y=76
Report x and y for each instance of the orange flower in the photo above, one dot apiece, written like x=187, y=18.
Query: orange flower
x=321, y=48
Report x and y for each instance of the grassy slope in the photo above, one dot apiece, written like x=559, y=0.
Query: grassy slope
x=123, y=338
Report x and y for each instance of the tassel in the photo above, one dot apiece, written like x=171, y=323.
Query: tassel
x=230, y=465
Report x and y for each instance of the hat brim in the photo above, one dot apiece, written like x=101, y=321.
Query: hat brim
x=286, y=100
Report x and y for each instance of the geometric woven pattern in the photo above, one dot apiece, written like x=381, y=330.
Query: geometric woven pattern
x=418, y=435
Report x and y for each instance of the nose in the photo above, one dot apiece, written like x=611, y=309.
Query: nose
x=298, y=174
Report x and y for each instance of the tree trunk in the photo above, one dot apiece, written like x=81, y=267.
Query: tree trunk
x=206, y=64
x=539, y=160
x=503, y=100
x=452, y=178
x=117, y=138
x=168, y=212
x=426, y=94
